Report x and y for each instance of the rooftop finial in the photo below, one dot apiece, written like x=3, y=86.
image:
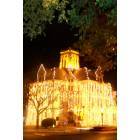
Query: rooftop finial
x=99, y=74
x=41, y=74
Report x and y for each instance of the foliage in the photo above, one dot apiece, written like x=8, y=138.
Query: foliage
x=71, y=118
x=95, y=20
x=77, y=13
x=49, y=122
x=81, y=15
x=100, y=38
x=35, y=17
x=112, y=17
x=106, y=4
x=100, y=42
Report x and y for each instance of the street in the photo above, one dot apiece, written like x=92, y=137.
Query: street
x=82, y=136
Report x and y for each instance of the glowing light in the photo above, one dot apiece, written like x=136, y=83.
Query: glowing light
x=88, y=102
x=41, y=74
x=70, y=66
x=87, y=99
x=69, y=59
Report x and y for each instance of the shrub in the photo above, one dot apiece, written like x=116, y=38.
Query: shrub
x=49, y=122
x=71, y=118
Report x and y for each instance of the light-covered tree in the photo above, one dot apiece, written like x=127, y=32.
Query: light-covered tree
x=41, y=102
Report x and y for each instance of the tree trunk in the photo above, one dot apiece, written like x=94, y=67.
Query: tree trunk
x=37, y=120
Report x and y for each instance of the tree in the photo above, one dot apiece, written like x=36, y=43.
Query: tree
x=95, y=21
x=104, y=50
x=71, y=118
x=25, y=97
x=37, y=14
x=100, y=37
x=77, y=13
x=41, y=102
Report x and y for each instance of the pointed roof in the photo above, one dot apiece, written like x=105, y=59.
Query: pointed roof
x=41, y=71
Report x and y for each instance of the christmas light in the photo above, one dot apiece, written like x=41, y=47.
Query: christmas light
x=42, y=71
x=89, y=100
x=69, y=59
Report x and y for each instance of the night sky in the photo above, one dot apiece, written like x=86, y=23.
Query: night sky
x=46, y=49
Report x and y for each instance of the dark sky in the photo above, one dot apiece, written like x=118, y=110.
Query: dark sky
x=46, y=50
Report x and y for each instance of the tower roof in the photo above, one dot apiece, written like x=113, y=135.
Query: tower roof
x=69, y=51
x=69, y=59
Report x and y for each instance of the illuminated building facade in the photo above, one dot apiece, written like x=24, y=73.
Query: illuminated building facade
x=71, y=88
x=69, y=59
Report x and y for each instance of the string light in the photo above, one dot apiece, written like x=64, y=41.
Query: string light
x=42, y=71
x=54, y=72
x=69, y=59
x=90, y=100
x=86, y=71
